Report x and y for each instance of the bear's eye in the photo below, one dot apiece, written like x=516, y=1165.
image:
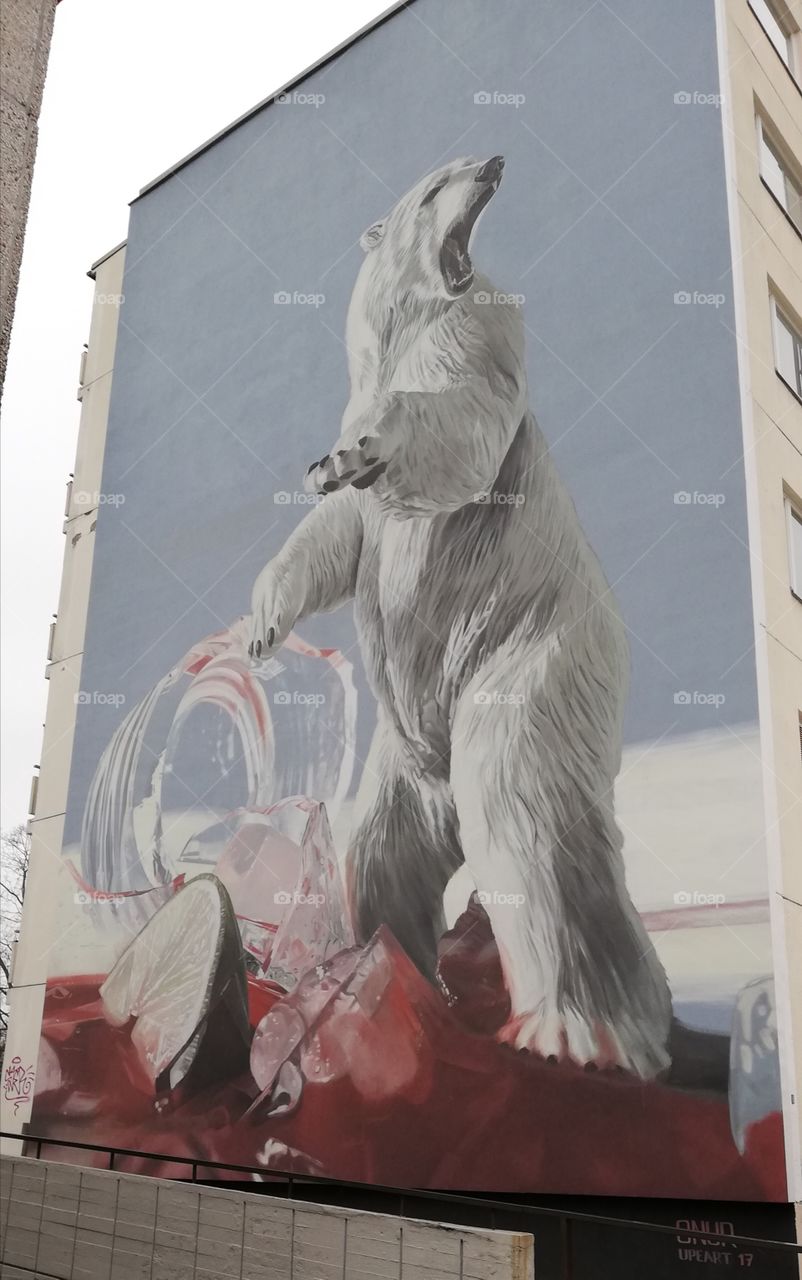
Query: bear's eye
x=430, y=195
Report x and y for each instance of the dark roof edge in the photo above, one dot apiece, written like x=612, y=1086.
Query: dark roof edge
x=286, y=88
x=103, y=258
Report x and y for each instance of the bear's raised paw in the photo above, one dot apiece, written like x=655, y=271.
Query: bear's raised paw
x=360, y=466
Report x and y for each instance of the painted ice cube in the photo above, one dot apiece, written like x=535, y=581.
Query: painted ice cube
x=754, y=1059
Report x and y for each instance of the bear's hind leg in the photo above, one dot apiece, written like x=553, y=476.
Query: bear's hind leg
x=543, y=847
x=402, y=854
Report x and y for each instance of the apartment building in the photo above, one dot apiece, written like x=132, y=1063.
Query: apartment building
x=763, y=60
x=215, y=801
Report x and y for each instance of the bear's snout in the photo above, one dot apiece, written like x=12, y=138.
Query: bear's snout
x=491, y=170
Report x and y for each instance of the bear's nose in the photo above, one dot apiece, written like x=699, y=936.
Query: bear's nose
x=491, y=170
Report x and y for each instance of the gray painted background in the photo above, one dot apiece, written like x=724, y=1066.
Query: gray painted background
x=613, y=200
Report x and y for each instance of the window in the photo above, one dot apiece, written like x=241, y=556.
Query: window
x=777, y=175
x=775, y=20
x=793, y=517
x=787, y=349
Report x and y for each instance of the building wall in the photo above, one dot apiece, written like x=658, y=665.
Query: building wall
x=25, y=30
x=48, y=878
x=769, y=259
x=231, y=374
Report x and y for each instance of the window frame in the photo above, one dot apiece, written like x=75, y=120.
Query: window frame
x=785, y=24
x=768, y=139
x=793, y=515
x=781, y=316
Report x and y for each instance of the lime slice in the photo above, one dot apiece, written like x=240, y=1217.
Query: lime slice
x=183, y=981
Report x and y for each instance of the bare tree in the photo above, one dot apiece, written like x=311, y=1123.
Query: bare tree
x=15, y=853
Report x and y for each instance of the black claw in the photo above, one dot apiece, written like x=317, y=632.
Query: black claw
x=362, y=441
x=313, y=467
x=370, y=477
x=250, y=650
x=323, y=461
x=341, y=453
x=258, y=648
x=271, y=635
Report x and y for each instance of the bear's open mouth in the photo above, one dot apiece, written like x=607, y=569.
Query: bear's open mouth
x=455, y=259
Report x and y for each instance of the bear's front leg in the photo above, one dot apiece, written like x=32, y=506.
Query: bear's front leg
x=315, y=571
x=540, y=840
x=277, y=601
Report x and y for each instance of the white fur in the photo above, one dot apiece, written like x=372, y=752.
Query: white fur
x=494, y=649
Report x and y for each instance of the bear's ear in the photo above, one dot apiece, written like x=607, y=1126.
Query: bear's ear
x=370, y=238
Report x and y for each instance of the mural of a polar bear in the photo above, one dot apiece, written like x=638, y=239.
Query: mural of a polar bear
x=489, y=636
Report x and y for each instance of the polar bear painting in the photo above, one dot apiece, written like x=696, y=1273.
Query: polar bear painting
x=490, y=639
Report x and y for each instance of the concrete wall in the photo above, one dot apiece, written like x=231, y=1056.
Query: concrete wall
x=25, y=30
x=48, y=876
x=61, y=1220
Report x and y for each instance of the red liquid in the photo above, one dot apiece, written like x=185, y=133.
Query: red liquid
x=415, y=1100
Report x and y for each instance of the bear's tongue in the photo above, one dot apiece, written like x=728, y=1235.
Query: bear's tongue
x=455, y=262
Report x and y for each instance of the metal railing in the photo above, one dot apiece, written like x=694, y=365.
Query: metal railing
x=524, y=1212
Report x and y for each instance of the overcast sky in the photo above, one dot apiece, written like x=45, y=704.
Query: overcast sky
x=131, y=87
